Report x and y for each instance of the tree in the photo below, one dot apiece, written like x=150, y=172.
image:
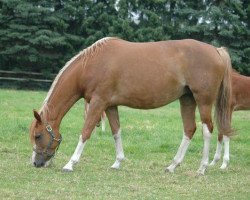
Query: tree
x=224, y=24
x=42, y=35
x=33, y=36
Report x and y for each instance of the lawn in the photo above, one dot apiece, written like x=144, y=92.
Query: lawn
x=150, y=138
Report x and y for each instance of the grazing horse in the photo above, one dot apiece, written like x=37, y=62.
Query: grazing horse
x=240, y=101
x=114, y=72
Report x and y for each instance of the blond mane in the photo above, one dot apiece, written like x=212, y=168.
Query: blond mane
x=85, y=54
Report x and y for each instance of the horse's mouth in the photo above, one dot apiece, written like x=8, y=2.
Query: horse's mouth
x=39, y=162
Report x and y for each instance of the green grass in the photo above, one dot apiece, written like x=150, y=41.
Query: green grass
x=150, y=138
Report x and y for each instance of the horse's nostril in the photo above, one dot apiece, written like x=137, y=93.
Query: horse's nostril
x=38, y=163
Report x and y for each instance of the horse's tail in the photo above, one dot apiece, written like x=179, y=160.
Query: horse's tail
x=223, y=102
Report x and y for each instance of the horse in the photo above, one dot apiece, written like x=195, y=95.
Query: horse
x=240, y=101
x=147, y=75
x=101, y=120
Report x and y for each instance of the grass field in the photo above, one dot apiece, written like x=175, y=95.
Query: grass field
x=150, y=140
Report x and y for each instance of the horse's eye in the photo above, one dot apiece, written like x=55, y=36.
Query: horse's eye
x=38, y=137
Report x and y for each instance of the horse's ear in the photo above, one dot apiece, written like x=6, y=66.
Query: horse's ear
x=37, y=116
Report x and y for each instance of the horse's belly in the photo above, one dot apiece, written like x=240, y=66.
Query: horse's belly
x=146, y=104
x=148, y=97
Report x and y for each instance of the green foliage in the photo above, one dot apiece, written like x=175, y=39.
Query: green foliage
x=42, y=35
x=226, y=24
x=33, y=36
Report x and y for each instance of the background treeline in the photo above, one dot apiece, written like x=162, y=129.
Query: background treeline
x=40, y=36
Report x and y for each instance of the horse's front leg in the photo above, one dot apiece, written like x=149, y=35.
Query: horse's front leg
x=76, y=155
x=96, y=107
x=113, y=117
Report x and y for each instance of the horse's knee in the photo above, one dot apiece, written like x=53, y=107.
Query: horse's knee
x=86, y=135
x=189, y=132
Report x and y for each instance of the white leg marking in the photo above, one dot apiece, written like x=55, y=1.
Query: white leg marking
x=180, y=154
x=119, y=150
x=205, y=154
x=217, y=154
x=226, y=141
x=103, y=123
x=76, y=156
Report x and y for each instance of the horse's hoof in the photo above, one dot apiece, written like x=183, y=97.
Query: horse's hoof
x=67, y=170
x=115, y=166
x=201, y=172
x=212, y=163
x=223, y=167
x=169, y=170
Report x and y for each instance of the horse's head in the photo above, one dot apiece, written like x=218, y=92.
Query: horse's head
x=45, y=141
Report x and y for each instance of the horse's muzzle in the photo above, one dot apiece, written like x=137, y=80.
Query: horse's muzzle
x=39, y=163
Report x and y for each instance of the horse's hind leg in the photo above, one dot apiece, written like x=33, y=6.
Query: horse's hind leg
x=222, y=139
x=188, y=106
x=207, y=129
x=217, y=154
x=113, y=117
x=226, y=141
x=96, y=107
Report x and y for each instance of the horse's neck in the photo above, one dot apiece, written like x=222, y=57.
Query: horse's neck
x=62, y=97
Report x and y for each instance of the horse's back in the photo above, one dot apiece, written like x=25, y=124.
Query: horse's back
x=188, y=53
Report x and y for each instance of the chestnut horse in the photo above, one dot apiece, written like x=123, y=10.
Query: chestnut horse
x=114, y=72
x=240, y=101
